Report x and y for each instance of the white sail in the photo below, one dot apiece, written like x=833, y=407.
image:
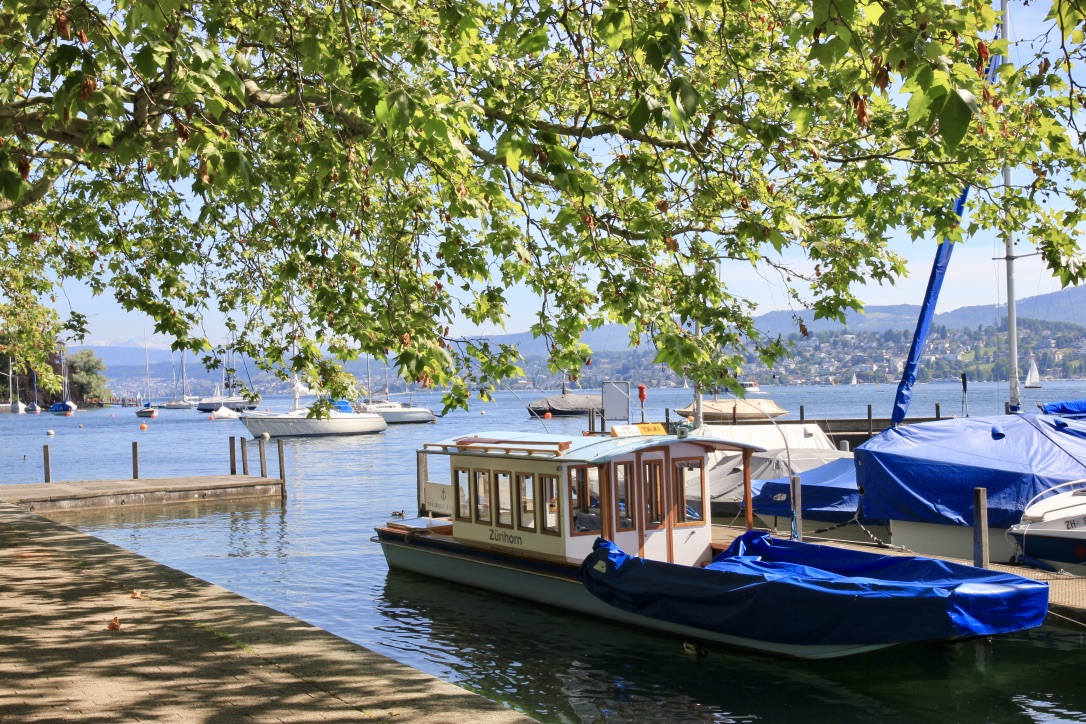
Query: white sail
x=1033, y=377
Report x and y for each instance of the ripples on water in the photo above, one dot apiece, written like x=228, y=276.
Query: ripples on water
x=313, y=558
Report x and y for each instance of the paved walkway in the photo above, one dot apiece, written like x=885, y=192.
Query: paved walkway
x=184, y=651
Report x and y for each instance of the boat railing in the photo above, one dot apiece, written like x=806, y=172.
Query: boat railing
x=486, y=445
x=1035, y=498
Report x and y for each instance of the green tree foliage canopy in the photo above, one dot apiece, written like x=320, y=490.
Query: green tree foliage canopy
x=85, y=375
x=350, y=175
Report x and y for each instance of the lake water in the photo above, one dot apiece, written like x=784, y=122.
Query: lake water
x=313, y=558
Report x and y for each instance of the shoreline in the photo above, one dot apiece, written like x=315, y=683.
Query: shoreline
x=183, y=649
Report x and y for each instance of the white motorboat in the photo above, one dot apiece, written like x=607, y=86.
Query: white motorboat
x=732, y=409
x=1053, y=529
x=394, y=412
x=341, y=420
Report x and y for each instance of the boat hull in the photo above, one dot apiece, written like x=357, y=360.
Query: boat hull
x=555, y=585
x=1053, y=549
x=298, y=425
x=147, y=412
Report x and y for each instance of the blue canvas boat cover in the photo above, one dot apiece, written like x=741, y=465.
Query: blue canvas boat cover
x=926, y=473
x=1071, y=408
x=782, y=591
x=829, y=493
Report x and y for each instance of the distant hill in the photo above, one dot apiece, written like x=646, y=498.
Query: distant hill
x=1068, y=305
x=1058, y=306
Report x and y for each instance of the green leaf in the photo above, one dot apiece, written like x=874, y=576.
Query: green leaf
x=686, y=97
x=13, y=185
x=615, y=27
x=801, y=116
x=955, y=117
x=639, y=115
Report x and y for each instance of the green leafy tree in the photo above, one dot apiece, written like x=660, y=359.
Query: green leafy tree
x=351, y=176
x=85, y=376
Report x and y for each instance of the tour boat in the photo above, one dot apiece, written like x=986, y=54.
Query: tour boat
x=546, y=518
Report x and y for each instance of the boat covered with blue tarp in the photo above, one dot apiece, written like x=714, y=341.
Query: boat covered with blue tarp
x=1067, y=408
x=829, y=491
x=786, y=591
x=926, y=473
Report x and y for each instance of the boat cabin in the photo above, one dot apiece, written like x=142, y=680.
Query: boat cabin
x=555, y=494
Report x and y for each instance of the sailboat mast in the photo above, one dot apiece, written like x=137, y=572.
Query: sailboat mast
x=1015, y=404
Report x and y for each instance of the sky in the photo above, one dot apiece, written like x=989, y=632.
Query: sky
x=973, y=278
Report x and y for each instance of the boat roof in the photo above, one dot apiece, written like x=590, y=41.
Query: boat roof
x=593, y=449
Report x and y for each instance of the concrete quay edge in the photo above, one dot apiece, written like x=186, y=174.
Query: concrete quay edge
x=184, y=650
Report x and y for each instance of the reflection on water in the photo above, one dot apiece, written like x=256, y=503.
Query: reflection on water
x=313, y=557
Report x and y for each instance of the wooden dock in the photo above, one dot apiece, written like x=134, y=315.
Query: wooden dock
x=97, y=494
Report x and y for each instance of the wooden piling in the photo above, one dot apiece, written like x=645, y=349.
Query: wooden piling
x=282, y=469
x=244, y=456
x=980, y=527
x=233, y=457
x=135, y=460
x=263, y=457
x=48, y=470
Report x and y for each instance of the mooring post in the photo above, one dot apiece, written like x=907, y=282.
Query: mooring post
x=282, y=470
x=870, y=423
x=263, y=458
x=48, y=472
x=980, y=527
x=801, y=417
x=244, y=456
x=135, y=460
x=938, y=416
x=233, y=457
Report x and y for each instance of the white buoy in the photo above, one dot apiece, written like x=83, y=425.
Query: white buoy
x=265, y=435
x=50, y=432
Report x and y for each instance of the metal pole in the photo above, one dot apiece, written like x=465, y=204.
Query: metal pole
x=48, y=470
x=422, y=474
x=870, y=423
x=748, y=502
x=135, y=460
x=263, y=458
x=796, y=489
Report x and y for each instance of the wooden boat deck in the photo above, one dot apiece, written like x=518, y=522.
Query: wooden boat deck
x=1066, y=592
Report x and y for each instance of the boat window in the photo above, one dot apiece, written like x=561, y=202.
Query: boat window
x=552, y=519
x=623, y=502
x=462, y=494
x=654, y=494
x=525, y=501
x=482, y=496
x=503, y=483
x=690, y=508
x=584, y=499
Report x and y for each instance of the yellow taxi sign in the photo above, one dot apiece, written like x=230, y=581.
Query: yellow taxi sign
x=651, y=428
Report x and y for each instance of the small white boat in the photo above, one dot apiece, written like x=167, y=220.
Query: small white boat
x=1053, y=529
x=224, y=413
x=751, y=387
x=147, y=410
x=733, y=409
x=395, y=413
x=341, y=420
x=546, y=518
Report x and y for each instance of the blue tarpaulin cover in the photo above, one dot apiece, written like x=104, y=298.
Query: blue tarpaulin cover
x=926, y=473
x=782, y=591
x=1067, y=407
x=829, y=494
